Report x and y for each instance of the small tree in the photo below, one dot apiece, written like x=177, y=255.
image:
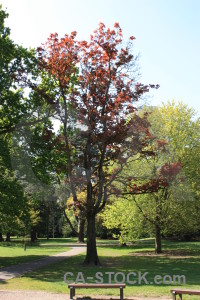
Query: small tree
x=147, y=190
x=159, y=190
x=163, y=187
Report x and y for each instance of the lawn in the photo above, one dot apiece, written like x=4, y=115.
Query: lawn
x=179, y=258
x=57, y=241
x=73, y=240
x=12, y=253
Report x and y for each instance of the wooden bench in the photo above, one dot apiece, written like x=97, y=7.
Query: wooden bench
x=73, y=286
x=181, y=292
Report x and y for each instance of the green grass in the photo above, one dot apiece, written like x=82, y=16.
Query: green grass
x=180, y=258
x=57, y=240
x=74, y=240
x=13, y=252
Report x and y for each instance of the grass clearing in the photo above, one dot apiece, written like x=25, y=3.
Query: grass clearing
x=57, y=241
x=12, y=253
x=179, y=258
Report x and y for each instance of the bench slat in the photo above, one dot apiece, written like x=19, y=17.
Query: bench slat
x=96, y=285
x=189, y=292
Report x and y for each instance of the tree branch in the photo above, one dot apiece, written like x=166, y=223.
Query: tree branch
x=69, y=222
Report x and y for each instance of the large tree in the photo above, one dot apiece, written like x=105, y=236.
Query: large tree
x=17, y=65
x=19, y=75
x=105, y=94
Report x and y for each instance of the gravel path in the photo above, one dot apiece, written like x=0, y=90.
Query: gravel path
x=18, y=270
x=36, y=295
x=31, y=295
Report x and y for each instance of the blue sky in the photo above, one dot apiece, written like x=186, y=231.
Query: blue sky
x=167, y=35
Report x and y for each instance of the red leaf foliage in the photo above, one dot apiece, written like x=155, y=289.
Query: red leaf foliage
x=169, y=171
x=59, y=56
x=103, y=97
x=166, y=175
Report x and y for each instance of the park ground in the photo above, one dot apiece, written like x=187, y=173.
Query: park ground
x=178, y=258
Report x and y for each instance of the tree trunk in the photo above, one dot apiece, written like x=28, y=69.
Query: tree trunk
x=33, y=235
x=81, y=224
x=158, y=242
x=91, y=256
x=8, y=237
x=123, y=244
x=47, y=228
x=1, y=237
x=53, y=229
x=70, y=224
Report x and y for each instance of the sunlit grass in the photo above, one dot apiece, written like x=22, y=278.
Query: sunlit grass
x=179, y=258
x=13, y=253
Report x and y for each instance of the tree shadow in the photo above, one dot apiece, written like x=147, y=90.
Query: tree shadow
x=162, y=266
x=6, y=262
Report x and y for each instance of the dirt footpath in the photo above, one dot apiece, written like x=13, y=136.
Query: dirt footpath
x=20, y=269
x=38, y=295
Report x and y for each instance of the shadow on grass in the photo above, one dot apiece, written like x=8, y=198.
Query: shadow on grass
x=56, y=240
x=153, y=265
x=15, y=260
x=124, y=259
x=13, y=244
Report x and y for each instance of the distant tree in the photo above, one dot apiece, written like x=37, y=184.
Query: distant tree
x=35, y=161
x=80, y=214
x=15, y=207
